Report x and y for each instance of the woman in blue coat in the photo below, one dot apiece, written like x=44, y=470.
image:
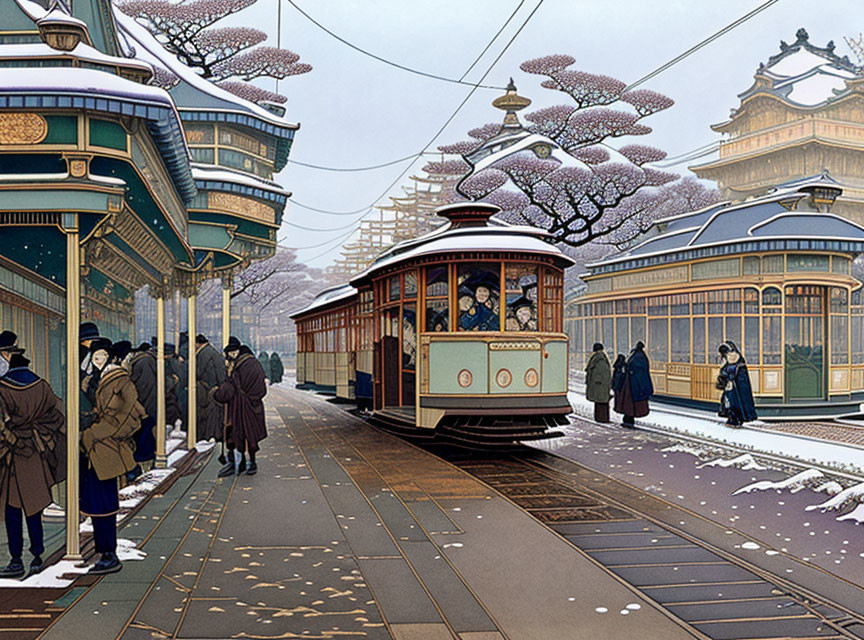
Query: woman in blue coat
x=636, y=387
x=736, y=403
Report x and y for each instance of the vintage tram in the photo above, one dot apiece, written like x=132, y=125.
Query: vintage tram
x=455, y=335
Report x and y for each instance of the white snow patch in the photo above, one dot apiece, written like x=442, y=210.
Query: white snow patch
x=855, y=493
x=752, y=546
x=54, y=510
x=794, y=483
x=203, y=445
x=51, y=577
x=458, y=545
x=745, y=462
x=685, y=448
x=176, y=456
x=856, y=515
x=128, y=550
x=832, y=487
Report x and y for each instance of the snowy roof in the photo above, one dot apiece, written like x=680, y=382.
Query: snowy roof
x=493, y=236
x=77, y=88
x=196, y=95
x=327, y=297
x=223, y=179
x=804, y=74
x=82, y=52
x=742, y=225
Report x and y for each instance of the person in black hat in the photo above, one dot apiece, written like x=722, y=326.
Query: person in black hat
x=172, y=385
x=243, y=393
x=520, y=316
x=210, y=372
x=8, y=346
x=32, y=458
x=736, y=402
x=87, y=334
x=107, y=444
x=598, y=382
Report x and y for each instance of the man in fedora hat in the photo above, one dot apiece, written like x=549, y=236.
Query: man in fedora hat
x=32, y=457
x=8, y=346
x=243, y=393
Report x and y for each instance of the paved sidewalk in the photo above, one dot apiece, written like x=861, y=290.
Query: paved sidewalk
x=347, y=532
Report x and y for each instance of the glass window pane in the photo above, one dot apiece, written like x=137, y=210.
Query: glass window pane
x=751, y=340
x=608, y=335
x=698, y=301
x=839, y=300
x=733, y=330
x=394, y=288
x=771, y=340
x=680, y=332
x=699, y=340
x=409, y=336
x=658, y=340
x=857, y=337
x=637, y=332
x=715, y=337
x=806, y=262
x=411, y=284
x=771, y=297
x=622, y=335
x=437, y=315
x=478, y=295
x=436, y=282
x=521, y=283
x=658, y=306
x=839, y=340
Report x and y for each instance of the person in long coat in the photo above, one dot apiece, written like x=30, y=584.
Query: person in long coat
x=107, y=445
x=598, y=382
x=243, y=393
x=210, y=372
x=172, y=387
x=636, y=387
x=736, y=403
x=32, y=458
x=264, y=359
x=277, y=369
x=142, y=370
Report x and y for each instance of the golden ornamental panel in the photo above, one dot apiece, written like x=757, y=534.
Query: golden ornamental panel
x=22, y=128
x=514, y=346
x=239, y=205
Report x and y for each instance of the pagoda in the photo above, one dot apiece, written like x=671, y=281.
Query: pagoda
x=803, y=116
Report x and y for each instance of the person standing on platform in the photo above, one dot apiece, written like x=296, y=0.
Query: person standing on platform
x=107, y=445
x=243, y=392
x=598, y=382
x=264, y=359
x=736, y=403
x=142, y=370
x=210, y=373
x=277, y=369
x=32, y=458
x=636, y=387
x=172, y=388
x=8, y=346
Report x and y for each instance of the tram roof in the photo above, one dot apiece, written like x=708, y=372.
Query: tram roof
x=729, y=229
x=494, y=236
x=327, y=297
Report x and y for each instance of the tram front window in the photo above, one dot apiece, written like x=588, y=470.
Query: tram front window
x=478, y=295
x=521, y=296
x=437, y=295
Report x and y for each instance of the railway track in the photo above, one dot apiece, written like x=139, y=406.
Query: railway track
x=712, y=592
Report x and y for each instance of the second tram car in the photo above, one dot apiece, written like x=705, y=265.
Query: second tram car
x=457, y=333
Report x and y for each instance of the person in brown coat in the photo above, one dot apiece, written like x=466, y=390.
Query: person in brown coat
x=598, y=382
x=108, y=444
x=32, y=458
x=243, y=393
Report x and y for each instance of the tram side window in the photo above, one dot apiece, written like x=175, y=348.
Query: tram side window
x=478, y=297
x=437, y=300
x=521, y=297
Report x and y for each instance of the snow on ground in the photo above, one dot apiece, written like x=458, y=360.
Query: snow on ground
x=831, y=455
x=128, y=550
x=745, y=461
x=176, y=456
x=856, y=515
x=845, y=498
x=693, y=450
x=203, y=446
x=793, y=483
x=51, y=577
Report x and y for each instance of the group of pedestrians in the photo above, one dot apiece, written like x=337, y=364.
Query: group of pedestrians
x=117, y=422
x=629, y=379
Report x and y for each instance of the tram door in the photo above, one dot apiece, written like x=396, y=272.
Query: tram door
x=804, y=351
x=391, y=357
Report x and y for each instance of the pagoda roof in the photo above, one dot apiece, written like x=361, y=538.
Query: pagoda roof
x=802, y=75
x=197, y=98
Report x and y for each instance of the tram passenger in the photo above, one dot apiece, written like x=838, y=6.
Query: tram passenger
x=243, y=392
x=736, y=403
x=107, y=444
x=521, y=315
x=636, y=387
x=210, y=373
x=598, y=382
x=32, y=454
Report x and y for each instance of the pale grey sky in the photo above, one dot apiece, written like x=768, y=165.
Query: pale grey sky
x=356, y=111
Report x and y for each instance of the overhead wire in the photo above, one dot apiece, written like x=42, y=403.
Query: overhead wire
x=385, y=60
x=704, y=43
x=448, y=121
x=398, y=160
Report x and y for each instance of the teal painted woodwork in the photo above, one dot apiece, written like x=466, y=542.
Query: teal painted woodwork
x=555, y=367
x=208, y=236
x=42, y=252
x=61, y=130
x=105, y=133
x=244, y=227
x=53, y=200
x=448, y=358
x=517, y=362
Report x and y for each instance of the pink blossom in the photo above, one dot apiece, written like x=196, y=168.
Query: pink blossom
x=591, y=155
x=460, y=148
x=547, y=64
x=483, y=183
x=587, y=89
x=646, y=101
x=640, y=154
x=550, y=121
x=485, y=132
x=251, y=92
x=448, y=167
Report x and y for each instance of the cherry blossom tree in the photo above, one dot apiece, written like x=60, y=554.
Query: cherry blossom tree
x=229, y=56
x=586, y=190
